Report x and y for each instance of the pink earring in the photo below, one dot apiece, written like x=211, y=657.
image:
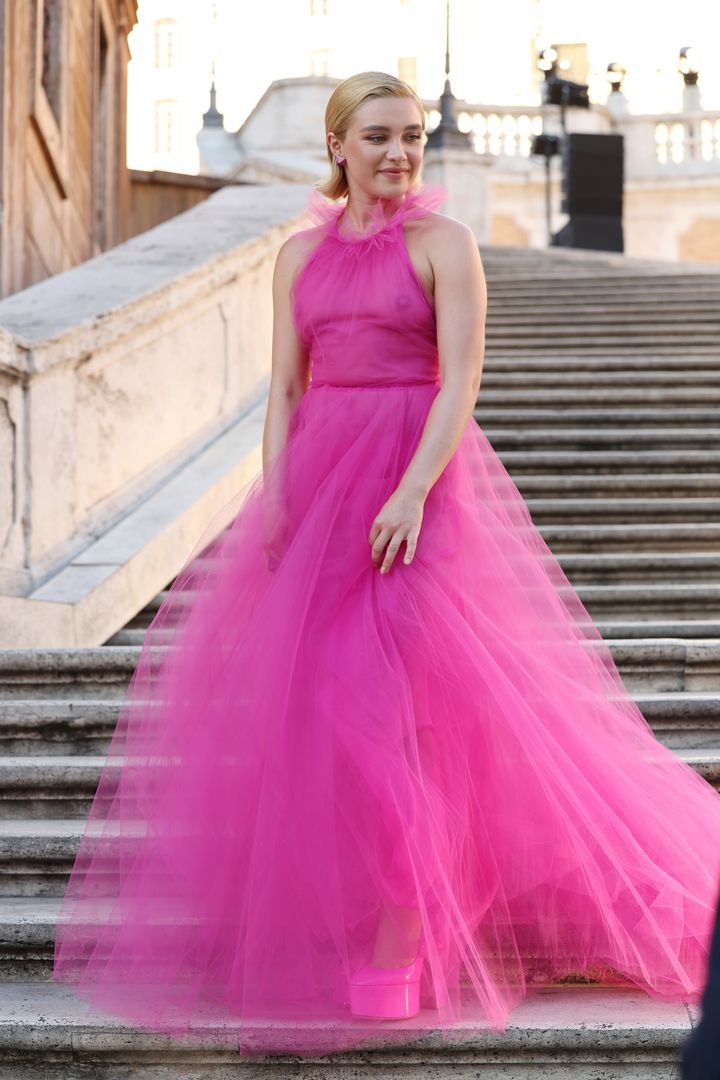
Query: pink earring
x=340, y=159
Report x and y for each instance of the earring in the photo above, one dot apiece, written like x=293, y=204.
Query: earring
x=339, y=159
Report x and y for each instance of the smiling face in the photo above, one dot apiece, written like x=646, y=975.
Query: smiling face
x=383, y=147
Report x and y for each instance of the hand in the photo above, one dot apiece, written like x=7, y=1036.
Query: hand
x=399, y=519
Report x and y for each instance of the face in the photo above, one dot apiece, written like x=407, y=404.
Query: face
x=385, y=134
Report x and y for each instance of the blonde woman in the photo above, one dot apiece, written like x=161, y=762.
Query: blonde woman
x=376, y=763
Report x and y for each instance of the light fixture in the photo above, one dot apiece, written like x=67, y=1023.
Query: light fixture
x=688, y=65
x=547, y=60
x=615, y=74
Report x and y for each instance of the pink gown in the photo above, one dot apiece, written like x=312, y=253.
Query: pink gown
x=306, y=742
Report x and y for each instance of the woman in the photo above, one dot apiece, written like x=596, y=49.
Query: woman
x=376, y=761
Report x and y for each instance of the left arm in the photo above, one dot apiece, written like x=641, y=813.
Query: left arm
x=460, y=312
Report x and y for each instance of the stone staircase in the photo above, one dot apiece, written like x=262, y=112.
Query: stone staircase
x=600, y=394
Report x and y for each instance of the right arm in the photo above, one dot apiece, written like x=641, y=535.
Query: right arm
x=290, y=361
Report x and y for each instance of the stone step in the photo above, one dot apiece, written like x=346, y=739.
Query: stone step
x=62, y=727
x=606, y=364
x=642, y=307
x=654, y=537
x=36, y=856
x=608, y=464
x=600, y=390
x=624, y=511
x=642, y=568
x=527, y=284
x=625, y=485
x=37, y=786
x=537, y=290
x=66, y=674
x=657, y=397
x=667, y=664
x=34, y=706
x=525, y=320
x=588, y=346
x=667, y=599
x=607, y=438
x=670, y=654
x=683, y=630
x=603, y=1033
x=614, y=385
x=505, y=414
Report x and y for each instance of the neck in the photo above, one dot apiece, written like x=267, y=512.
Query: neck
x=362, y=214
x=361, y=211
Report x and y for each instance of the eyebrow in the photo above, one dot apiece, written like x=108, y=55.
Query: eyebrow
x=383, y=127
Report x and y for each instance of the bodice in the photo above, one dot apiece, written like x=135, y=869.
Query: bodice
x=358, y=304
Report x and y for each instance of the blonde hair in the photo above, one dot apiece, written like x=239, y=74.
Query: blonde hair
x=344, y=102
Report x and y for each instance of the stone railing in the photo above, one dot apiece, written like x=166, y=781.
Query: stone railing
x=661, y=145
x=672, y=144
x=113, y=377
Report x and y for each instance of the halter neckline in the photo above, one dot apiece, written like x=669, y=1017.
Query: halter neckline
x=379, y=224
x=418, y=201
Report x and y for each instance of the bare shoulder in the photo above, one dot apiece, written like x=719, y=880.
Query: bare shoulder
x=448, y=239
x=445, y=242
x=293, y=252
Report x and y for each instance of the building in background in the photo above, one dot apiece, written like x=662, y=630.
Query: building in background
x=178, y=45
x=64, y=184
x=213, y=97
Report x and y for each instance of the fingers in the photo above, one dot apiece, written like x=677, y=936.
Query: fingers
x=392, y=548
x=378, y=545
x=390, y=553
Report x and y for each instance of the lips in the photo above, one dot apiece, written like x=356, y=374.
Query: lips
x=395, y=172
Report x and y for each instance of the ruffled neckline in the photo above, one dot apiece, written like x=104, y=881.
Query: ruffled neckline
x=418, y=201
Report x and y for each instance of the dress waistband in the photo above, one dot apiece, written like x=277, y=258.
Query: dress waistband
x=372, y=386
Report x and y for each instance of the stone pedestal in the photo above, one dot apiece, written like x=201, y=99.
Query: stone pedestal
x=466, y=175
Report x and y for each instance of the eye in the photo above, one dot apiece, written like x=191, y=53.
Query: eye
x=372, y=138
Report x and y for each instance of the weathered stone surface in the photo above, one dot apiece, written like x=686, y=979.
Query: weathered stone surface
x=582, y=1033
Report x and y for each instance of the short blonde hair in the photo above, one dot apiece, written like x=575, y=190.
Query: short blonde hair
x=344, y=102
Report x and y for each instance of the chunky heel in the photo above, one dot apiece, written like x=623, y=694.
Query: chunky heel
x=386, y=993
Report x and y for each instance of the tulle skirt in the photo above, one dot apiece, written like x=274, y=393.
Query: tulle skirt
x=307, y=745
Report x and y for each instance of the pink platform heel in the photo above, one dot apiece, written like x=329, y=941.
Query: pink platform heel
x=386, y=993
x=393, y=993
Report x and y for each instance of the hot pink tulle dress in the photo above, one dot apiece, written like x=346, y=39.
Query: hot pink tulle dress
x=306, y=742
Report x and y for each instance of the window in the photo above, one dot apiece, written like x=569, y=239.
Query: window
x=407, y=70
x=166, y=41
x=166, y=125
x=318, y=7
x=320, y=62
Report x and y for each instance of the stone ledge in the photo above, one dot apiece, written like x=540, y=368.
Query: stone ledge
x=104, y=585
